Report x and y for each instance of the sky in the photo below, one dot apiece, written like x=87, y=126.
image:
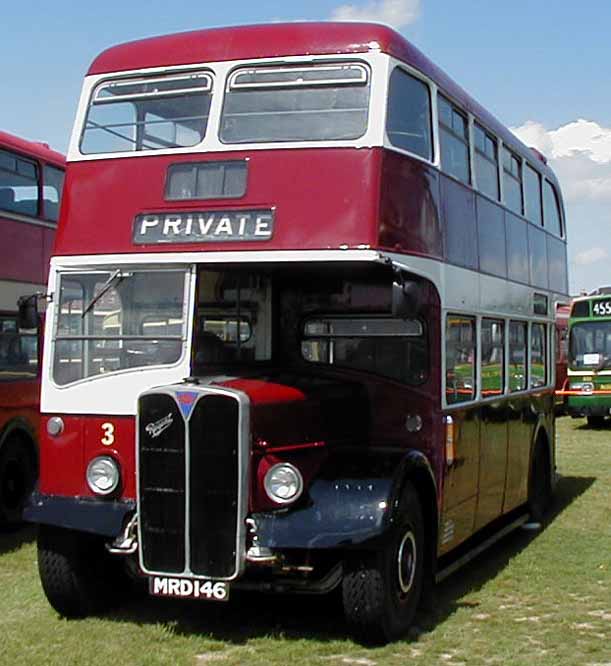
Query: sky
x=541, y=68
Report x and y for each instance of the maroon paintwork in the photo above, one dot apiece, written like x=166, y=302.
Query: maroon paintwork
x=25, y=251
x=323, y=199
x=98, y=210
x=35, y=243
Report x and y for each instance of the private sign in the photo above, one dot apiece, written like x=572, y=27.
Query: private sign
x=204, y=227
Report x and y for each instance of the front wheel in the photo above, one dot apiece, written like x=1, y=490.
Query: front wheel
x=78, y=576
x=381, y=590
x=596, y=421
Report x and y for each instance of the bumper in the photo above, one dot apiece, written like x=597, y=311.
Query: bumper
x=589, y=406
x=75, y=513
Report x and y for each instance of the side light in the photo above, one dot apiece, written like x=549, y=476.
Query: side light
x=103, y=475
x=55, y=426
x=450, y=441
x=283, y=483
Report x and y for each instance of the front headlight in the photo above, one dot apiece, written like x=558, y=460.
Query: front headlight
x=586, y=387
x=103, y=475
x=283, y=483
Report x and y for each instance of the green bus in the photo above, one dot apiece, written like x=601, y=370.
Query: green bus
x=588, y=386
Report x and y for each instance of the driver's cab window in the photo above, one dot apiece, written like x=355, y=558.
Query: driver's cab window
x=233, y=319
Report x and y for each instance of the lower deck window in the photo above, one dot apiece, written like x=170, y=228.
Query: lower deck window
x=384, y=346
x=493, y=351
x=538, y=356
x=518, y=340
x=460, y=359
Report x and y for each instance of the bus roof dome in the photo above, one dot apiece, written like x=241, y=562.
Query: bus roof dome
x=250, y=41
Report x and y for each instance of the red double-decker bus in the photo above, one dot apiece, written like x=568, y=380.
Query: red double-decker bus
x=31, y=177
x=301, y=328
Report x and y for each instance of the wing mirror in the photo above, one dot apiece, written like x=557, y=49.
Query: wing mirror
x=28, y=312
x=406, y=298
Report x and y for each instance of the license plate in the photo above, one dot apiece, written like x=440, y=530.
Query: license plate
x=189, y=588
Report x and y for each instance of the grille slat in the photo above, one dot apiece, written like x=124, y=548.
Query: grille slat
x=189, y=485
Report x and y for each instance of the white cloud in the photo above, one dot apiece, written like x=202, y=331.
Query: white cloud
x=579, y=153
x=396, y=13
x=591, y=256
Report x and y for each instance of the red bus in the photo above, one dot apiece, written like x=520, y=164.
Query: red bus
x=301, y=325
x=31, y=177
x=563, y=311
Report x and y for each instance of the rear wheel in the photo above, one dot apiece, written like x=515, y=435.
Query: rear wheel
x=17, y=478
x=539, y=484
x=596, y=421
x=78, y=576
x=381, y=590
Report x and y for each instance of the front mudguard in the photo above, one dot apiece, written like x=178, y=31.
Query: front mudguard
x=346, y=511
x=106, y=518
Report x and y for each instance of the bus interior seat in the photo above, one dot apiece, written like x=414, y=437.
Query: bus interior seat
x=7, y=198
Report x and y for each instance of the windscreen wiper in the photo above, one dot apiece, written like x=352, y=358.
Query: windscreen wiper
x=117, y=277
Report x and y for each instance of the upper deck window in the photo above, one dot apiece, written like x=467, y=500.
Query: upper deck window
x=18, y=184
x=512, y=181
x=486, y=162
x=148, y=113
x=315, y=103
x=551, y=208
x=532, y=195
x=408, y=123
x=454, y=138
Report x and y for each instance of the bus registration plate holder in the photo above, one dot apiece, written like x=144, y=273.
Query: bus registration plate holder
x=189, y=588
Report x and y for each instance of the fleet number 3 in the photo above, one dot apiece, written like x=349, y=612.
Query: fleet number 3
x=109, y=434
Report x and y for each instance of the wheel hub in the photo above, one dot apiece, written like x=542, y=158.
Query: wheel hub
x=406, y=562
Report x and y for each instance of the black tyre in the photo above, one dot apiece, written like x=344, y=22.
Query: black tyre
x=17, y=478
x=78, y=577
x=539, y=484
x=596, y=421
x=381, y=590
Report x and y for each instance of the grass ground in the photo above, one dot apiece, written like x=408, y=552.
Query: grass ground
x=541, y=598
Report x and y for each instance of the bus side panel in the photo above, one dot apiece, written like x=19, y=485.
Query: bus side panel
x=27, y=264
x=492, y=462
x=322, y=199
x=461, y=479
x=64, y=458
x=522, y=423
x=410, y=219
x=19, y=399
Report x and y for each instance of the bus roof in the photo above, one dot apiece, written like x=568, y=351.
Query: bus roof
x=293, y=39
x=35, y=149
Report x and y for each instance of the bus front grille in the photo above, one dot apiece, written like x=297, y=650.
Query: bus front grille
x=213, y=485
x=190, y=481
x=162, y=492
